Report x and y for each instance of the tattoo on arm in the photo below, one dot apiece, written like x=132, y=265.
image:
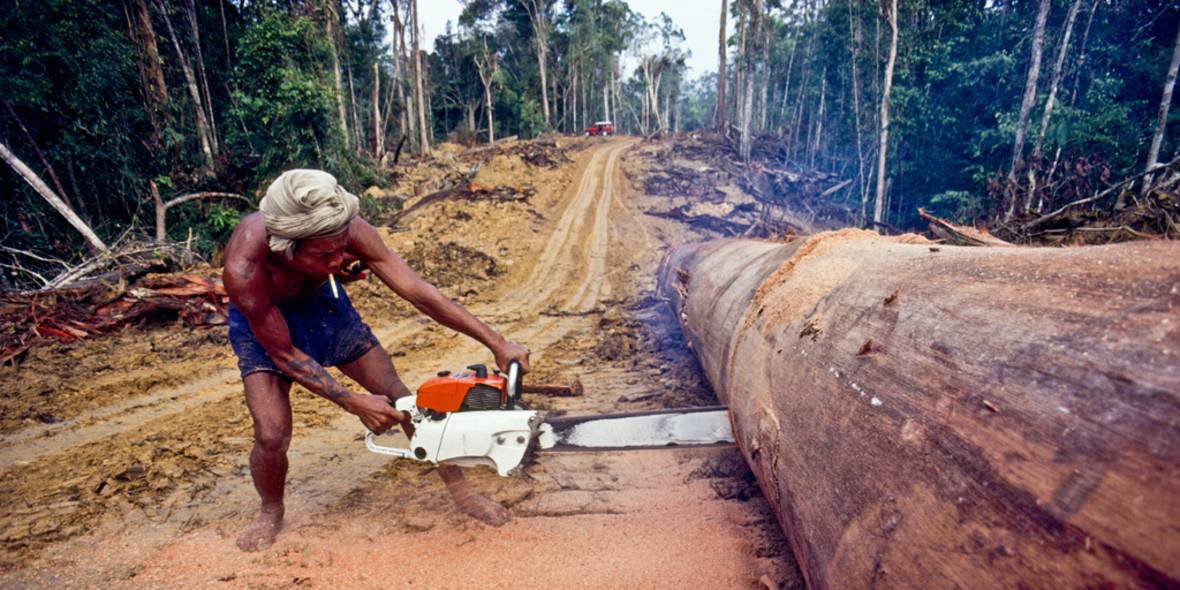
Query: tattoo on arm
x=312, y=375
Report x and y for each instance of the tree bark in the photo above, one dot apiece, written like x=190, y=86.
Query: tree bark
x=754, y=31
x=719, y=116
x=398, y=70
x=949, y=417
x=487, y=74
x=536, y=11
x=92, y=240
x=333, y=44
x=1162, y=119
x=194, y=25
x=155, y=88
x=854, y=36
x=883, y=145
x=425, y=139
x=1058, y=74
x=378, y=132
x=203, y=132
x=1026, y=104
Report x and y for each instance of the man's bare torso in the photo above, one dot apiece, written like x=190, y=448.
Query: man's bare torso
x=248, y=253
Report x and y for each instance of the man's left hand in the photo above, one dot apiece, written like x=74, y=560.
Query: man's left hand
x=511, y=352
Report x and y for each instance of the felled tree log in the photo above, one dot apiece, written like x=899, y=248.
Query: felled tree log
x=926, y=416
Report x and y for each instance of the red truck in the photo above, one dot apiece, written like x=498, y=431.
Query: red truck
x=600, y=128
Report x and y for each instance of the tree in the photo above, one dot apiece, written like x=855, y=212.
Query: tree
x=754, y=8
x=425, y=140
x=204, y=128
x=719, y=119
x=1157, y=138
x=538, y=15
x=93, y=241
x=1026, y=104
x=890, y=14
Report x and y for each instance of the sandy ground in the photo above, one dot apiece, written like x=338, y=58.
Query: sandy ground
x=124, y=459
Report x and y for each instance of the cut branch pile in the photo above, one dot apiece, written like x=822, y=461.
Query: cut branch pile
x=785, y=201
x=68, y=315
x=539, y=152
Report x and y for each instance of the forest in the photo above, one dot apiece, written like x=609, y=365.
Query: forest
x=993, y=113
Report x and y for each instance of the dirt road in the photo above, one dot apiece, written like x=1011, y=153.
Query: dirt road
x=139, y=477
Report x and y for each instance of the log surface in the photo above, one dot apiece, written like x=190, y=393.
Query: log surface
x=926, y=416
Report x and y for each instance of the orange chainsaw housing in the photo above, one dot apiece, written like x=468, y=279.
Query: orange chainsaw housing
x=464, y=391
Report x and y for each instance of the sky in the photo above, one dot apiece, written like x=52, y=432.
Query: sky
x=697, y=18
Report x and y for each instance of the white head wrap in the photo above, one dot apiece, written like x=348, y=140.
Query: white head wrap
x=303, y=204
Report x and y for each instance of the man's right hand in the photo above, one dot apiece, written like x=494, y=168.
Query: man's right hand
x=375, y=411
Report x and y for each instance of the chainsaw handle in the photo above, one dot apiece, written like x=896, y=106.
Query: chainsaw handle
x=513, y=384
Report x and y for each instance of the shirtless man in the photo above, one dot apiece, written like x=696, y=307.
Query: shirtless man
x=288, y=322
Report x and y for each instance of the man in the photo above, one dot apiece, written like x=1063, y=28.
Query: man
x=288, y=322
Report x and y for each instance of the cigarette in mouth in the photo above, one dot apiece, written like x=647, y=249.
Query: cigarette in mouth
x=332, y=281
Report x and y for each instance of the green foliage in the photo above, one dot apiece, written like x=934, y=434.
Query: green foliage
x=75, y=74
x=961, y=206
x=68, y=73
x=284, y=100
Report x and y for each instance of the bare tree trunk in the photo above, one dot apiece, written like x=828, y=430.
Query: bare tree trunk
x=854, y=35
x=606, y=100
x=883, y=145
x=155, y=88
x=358, y=134
x=1162, y=120
x=764, y=82
x=740, y=60
x=225, y=32
x=192, y=15
x=194, y=92
x=1058, y=73
x=749, y=53
x=1026, y=104
x=378, y=132
x=818, y=124
x=398, y=67
x=92, y=240
x=487, y=74
x=536, y=11
x=333, y=45
x=719, y=117
x=782, y=114
x=411, y=122
x=422, y=130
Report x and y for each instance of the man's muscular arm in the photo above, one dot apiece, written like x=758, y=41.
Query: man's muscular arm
x=250, y=287
x=398, y=276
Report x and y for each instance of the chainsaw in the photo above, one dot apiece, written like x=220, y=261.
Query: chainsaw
x=471, y=417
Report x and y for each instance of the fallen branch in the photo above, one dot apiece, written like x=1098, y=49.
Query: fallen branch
x=1091, y=199
x=162, y=207
x=92, y=240
x=966, y=235
x=490, y=146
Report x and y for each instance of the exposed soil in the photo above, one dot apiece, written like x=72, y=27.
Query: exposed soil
x=124, y=458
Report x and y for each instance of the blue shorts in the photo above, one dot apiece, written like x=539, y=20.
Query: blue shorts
x=326, y=328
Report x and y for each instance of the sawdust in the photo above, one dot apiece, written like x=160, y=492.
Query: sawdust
x=796, y=286
x=124, y=462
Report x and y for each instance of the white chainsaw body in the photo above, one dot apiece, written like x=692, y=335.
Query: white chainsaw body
x=498, y=439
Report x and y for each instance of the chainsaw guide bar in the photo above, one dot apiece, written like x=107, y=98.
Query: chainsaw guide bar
x=470, y=419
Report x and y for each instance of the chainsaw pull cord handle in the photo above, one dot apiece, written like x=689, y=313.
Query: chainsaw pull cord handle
x=513, y=384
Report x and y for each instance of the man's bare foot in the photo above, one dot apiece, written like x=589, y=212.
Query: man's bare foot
x=469, y=501
x=263, y=533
